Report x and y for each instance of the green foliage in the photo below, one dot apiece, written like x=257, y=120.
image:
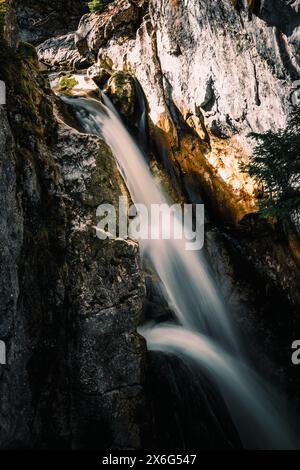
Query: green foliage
x=66, y=83
x=96, y=5
x=275, y=164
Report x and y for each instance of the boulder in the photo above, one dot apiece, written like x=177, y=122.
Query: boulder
x=100, y=75
x=62, y=53
x=119, y=19
x=121, y=91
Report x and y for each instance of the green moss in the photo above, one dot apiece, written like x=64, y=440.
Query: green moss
x=63, y=271
x=28, y=52
x=119, y=79
x=96, y=5
x=26, y=93
x=106, y=63
x=66, y=84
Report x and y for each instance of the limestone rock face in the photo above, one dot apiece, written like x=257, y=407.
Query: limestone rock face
x=229, y=65
x=105, y=287
x=281, y=13
x=62, y=53
x=121, y=90
x=70, y=304
x=225, y=68
x=119, y=20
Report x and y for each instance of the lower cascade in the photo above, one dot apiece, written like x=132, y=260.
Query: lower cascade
x=203, y=333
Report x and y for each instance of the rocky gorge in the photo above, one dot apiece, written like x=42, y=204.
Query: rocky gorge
x=202, y=75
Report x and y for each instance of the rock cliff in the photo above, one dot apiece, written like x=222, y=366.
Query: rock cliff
x=70, y=304
x=207, y=74
x=211, y=73
x=219, y=69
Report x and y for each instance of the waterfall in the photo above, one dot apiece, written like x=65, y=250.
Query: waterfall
x=253, y=406
x=205, y=334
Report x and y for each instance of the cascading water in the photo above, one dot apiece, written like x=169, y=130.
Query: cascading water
x=184, y=274
x=205, y=335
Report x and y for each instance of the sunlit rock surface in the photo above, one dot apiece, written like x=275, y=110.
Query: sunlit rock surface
x=211, y=61
x=119, y=19
x=224, y=68
x=62, y=53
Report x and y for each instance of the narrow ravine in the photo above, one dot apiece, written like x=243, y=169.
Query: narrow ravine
x=203, y=333
x=181, y=335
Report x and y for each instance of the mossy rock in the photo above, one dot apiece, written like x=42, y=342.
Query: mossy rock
x=105, y=62
x=121, y=90
x=28, y=52
x=66, y=84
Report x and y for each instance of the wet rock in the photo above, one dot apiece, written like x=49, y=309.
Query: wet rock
x=257, y=275
x=107, y=354
x=121, y=90
x=172, y=383
x=100, y=75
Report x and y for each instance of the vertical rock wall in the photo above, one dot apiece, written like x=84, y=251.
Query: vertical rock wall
x=70, y=304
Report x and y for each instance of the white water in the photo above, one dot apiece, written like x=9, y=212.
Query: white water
x=254, y=407
x=206, y=335
x=184, y=274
